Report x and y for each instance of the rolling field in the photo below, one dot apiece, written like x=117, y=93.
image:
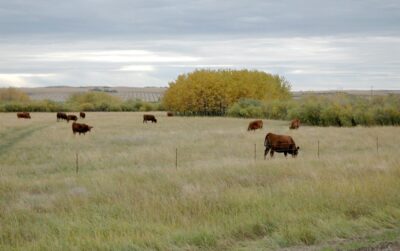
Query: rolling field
x=62, y=93
x=129, y=195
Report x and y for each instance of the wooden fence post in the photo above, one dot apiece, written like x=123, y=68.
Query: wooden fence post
x=377, y=145
x=255, y=152
x=176, y=158
x=318, y=149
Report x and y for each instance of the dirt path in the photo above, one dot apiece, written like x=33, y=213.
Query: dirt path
x=12, y=137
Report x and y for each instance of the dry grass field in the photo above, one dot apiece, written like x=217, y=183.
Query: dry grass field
x=128, y=194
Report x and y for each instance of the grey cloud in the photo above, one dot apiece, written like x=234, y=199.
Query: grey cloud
x=315, y=44
x=309, y=62
x=173, y=18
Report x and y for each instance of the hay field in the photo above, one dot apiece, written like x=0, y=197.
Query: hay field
x=128, y=195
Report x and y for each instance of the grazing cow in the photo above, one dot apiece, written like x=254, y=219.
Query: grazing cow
x=149, y=117
x=80, y=128
x=61, y=115
x=295, y=124
x=281, y=144
x=72, y=117
x=170, y=114
x=82, y=115
x=23, y=115
x=254, y=125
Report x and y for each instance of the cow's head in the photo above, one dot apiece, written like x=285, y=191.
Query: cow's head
x=296, y=151
x=90, y=127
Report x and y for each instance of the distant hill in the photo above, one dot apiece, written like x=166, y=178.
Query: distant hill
x=61, y=93
x=299, y=94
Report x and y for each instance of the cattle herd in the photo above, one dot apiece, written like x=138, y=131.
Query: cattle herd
x=272, y=142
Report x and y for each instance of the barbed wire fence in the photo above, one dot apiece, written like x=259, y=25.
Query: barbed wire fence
x=179, y=160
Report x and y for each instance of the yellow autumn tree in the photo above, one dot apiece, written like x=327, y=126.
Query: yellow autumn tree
x=211, y=92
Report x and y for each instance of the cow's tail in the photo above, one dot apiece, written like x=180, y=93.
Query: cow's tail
x=266, y=143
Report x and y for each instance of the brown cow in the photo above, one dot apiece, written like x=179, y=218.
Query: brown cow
x=72, y=117
x=61, y=115
x=80, y=128
x=254, y=125
x=295, y=124
x=149, y=117
x=170, y=114
x=281, y=144
x=23, y=115
x=82, y=115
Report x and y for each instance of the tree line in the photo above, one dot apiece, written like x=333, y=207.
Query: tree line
x=336, y=110
x=14, y=100
x=235, y=93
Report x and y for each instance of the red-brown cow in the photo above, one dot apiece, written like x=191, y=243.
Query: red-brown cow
x=295, y=124
x=170, y=114
x=23, y=115
x=281, y=144
x=80, y=128
x=254, y=125
x=72, y=117
x=149, y=117
x=82, y=115
x=61, y=115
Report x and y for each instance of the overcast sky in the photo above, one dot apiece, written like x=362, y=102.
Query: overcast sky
x=315, y=44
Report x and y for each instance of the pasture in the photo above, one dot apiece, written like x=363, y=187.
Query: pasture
x=129, y=195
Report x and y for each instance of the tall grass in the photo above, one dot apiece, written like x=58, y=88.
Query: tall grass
x=128, y=195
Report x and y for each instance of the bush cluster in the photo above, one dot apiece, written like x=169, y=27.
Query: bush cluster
x=33, y=106
x=336, y=110
x=12, y=100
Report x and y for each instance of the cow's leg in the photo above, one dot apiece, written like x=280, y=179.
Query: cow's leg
x=266, y=152
x=271, y=153
x=285, y=153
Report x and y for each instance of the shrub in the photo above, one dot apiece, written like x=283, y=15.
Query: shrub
x=277, y=109
x=13, y=95
x=246, y=108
